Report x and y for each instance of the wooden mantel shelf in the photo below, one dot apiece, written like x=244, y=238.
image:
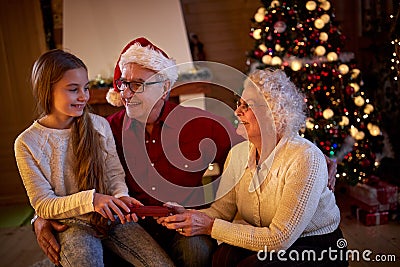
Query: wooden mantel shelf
x=98, y=95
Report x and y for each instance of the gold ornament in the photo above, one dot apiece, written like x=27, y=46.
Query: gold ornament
x=311, y=5
x=295, y=65
x=323, y=36
x=327, y=113
x=275, y=3
x=267, y=59
x=368, y=108
x=325, y=5
x=332, y=56
x=310, y=123
x=320, y=50
x=319, y=23
x=375, y=130
x=343, y=69
x=276, y=61
x=259, y=17
x=263, y=47
x=345, y=121
x=355, y=86
x=359, y=101
x=257, y=34
x=325, y=18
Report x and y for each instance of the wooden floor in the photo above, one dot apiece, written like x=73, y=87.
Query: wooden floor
x=18, y=245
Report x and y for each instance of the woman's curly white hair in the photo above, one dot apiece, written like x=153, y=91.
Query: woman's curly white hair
x=286, y=102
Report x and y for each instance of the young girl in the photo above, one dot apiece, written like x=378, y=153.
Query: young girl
x=70, y=169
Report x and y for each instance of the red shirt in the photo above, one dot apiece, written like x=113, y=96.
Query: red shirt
x=166, y=164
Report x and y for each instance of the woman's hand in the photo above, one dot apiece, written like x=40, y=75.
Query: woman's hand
x=107, y=206
x=131, y=202
x=175, y=207
x=332, y=169
x=189, y=223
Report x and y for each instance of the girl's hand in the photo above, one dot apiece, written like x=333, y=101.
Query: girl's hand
x=107, y=206
x=131, y=202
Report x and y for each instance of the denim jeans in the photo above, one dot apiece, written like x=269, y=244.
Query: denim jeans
x=80, y=246
x=184, y=251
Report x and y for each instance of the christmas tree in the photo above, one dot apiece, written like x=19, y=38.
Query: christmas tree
x=303, y=39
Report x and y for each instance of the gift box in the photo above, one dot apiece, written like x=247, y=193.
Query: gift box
x=375, y=196
x=371, y=208
x=370, y=219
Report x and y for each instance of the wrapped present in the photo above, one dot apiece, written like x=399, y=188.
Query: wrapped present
x=375, y=196
x=371, y=208
x=370, y=219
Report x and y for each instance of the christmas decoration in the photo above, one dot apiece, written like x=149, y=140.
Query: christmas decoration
x=100, y=82
x=303, y=39
x=370, y=219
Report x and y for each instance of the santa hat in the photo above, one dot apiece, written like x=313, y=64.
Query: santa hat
x=142, y=52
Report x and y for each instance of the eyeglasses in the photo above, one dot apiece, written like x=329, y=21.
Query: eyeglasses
x=245, y=106
x=134, y=87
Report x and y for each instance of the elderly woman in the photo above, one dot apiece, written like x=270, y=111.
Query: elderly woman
x=276, y=182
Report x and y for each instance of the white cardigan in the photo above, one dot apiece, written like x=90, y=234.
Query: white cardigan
x=293, y=201
x=44, y=156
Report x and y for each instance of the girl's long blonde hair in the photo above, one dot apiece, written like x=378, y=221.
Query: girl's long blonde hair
x=88, y=150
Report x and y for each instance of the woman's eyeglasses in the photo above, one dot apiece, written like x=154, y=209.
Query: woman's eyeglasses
x=245, y=106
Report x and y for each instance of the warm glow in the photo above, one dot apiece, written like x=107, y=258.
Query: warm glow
x=263, y=47
x=332, y=56
x=311, y=5
x=345, y=121
x=328, y=113
x=275, y=3
x=319, y=23
x=296, y=65
x=310, y=123
x=375, y=130
x=343, y=69
x=325, y=18
x=325, y=5
x=267, y=59
x=259, y=17
x=359, y=101
x=279, y=48
x=355, y=73
x=320, y=50
x=257, y=34
x=368, y=109
x=360, y=135
x=276, y=61
x=323, y=36
x=355, y=86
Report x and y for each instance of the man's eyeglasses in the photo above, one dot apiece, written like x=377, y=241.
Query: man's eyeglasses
x=134, y=87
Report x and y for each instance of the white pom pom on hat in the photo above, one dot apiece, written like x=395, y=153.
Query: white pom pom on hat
x=142, y=52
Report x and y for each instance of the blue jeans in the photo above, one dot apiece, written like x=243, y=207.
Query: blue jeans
x=184, y=251
x=81, y=246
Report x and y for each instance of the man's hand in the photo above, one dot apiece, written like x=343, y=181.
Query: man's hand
x=45, y=238
x=332, y=169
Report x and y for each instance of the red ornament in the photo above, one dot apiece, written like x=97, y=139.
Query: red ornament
x=349, y=90
x=365, y=163
x=258, y=53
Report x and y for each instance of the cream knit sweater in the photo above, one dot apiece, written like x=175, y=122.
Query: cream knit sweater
x=44, y=158
x=293, y=201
